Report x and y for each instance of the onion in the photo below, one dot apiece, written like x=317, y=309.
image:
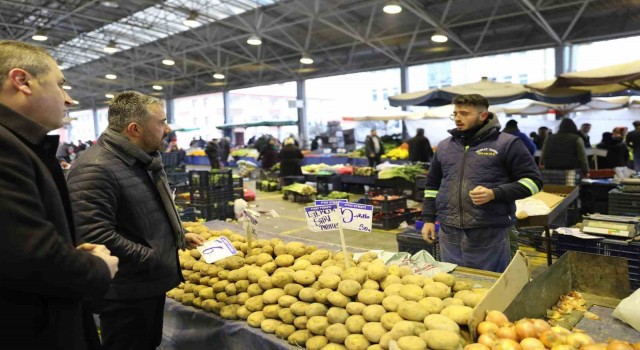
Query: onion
x=549, y=338
x=487, y=327
x=507, y=332
x=619, y=345
x=507, y=344
x=497, y=317
x=596, y=346
x=577, y=340
x=488, y=339
x=524, y=329
x=636, y=346
x=540, y=326
x=531, y=344
x=476, y=346
x=563, y=347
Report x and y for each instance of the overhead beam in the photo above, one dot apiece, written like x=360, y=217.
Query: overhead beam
x=575, y=20
x=537, y=16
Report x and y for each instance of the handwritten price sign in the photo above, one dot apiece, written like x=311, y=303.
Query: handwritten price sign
x=217, y=249
x=356, y=217
x=322, y=217
x=330, y=201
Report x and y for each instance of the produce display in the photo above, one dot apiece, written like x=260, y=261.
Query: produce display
x=320, y=168
x=197, y=153
x=335, y=195
x=245, y=152
x=400, y=152
x=300, y=188
x=365, y=171
x=245, y=168
x=269, y=186
x=309, y=297
x=407, y=172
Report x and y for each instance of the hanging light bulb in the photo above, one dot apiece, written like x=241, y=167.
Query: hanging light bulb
x=254, y=40
x=111, y=76
x=439, y=38
x=111, y=47
x=191, y=20
x=157, y=87
x=108, y=95
x=66, y=87
x=306, y=59
x=219, y=76
x=392, y=7
x=40, y=35
x=168, y=61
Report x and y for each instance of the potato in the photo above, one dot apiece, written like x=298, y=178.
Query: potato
x=373, y=331
x=337, y=299
x=336, y=270
x=385, y=339
x=334, y=346
x=468, y=297
x=402, y=329
x=368, y=257
x=452, y=301
x=320, y=255
x=336, y=333
x=265, y=282
x=301, y=264
x=371, y=284
x=317, y=342
x=393, y=270
x=356, y=342
x=197, y=302
x=242, y=312
x=280, y=249
x=299, y=338
x=317, y=325
x=417, y=280
x=286, y=316
x=255, y=273
x=232, y=299
x=283, y=331
x=376, y=272
x=372, y=313
x=317, y=270
x=204, y=281
x=284, y=260
x=255, y=303
x=299, y=308
x=255, y=319
x=437, y=289
x=316, y=309
x=229, y=312
x=217, y=307
x=337, y=315
x=301, y=322
x=286, y=300
x=281, y=279
x=310, y=249
x=237, y=275
x=263, y=258
x=266, y=249
x=269, y=325
x=329, y=280
x=306, y=294
x=349, y=287
x=418, y=327
x=405, y=271
x=354, y=323
x=271, y=311
x=355, y=308
x=195, y=277
x=230, y=289
x=459, y=314
x=375, y=347
x=355, y=273
x=207, y=304
x=461, y=285
x=187, y=299
x=412, y=311
x=206, y=293
x=241, y=286
x=411, y=342
x=255, y=289
x=389, y=319
x=445, y=278
x=392, y=302
x=269, y=267
x=321, y=295
x=441, y=322
x=293, y=289
x=370, y=296
x=441, y=340
x=411, y=292
x=304, y=277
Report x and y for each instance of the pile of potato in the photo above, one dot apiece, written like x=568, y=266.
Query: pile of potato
x=310, y=298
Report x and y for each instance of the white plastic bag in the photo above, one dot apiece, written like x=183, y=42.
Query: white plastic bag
x=627, y=310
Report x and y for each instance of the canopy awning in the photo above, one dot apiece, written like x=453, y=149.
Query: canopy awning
x=262, y=123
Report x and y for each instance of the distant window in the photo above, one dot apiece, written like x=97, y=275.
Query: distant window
x=524, y=78
x=507, y=78
x=374, y=95
x=385, y=94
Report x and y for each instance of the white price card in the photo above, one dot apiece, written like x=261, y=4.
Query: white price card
x=323, y=218
x=250, y=218
x=217, y=249
x=356, y=217
x=330, y=201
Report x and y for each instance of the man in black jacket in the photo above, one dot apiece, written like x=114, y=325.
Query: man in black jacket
x=420, y=148
x=373, y=148
x=633, y=141
x=45, y=278
x=121, y=198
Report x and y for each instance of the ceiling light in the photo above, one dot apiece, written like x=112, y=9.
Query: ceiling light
x=75, y=102
x=111, y=76
x=439, y=38
x=107, y=3
x=40, y=35
x=392, y=7
x=306, y=59
x=168, y=62
x=66, y=87
x=61, y=65
x=218, y=76
x=191, y=21
x=108, y=95
x=157, y=87
x=111, y=47
x=254, y=40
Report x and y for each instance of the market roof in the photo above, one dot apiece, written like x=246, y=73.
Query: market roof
x=263, y=123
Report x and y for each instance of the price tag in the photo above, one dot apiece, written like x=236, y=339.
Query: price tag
x=357, y=217
x=330, y=201
x=323, y=218
x=250, y=217
x=217, y=249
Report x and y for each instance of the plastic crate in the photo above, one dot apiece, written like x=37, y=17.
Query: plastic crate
x=601, y=174
x=298, y=198
x=392, y=222
x=203, y=196
x=237, y=181
x=214, y=178
x=386, y=206
x=624, y=203
x=533, y=237
x=608, y=247
x=411, y=241
x=561, y=177
x=213, y=212
x=182, y=194
x=177, y=178
x=187, y=214
x=290, y=180
x=238, y=192
x=171, y=159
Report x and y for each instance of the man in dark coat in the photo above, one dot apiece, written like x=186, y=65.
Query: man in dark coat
x=512, y=128
x=420, y=148
x=224, y=149
x=121, y=198
x=45, y=278
x=373, y=148
x=211, y=150
x=290, y=157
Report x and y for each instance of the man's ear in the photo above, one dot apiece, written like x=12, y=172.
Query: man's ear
x=19, y=79
x=484, y=115
x=133, y=129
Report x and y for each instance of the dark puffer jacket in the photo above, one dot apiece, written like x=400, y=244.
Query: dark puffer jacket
x=116, y=203
x=495, y=160
x=564, y=151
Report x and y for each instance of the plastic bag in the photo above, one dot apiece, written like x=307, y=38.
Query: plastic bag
x=627, y=310
x=421, y=263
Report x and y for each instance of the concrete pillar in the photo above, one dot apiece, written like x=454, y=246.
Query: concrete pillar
x=170, y=110
x=96, y=123
x=227, y=116
x=302, y=114
x=404, y=87
x=561, y=63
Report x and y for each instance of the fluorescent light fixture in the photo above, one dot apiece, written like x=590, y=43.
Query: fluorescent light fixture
x=40, y=35
x=66, y=87
x=61, y=65
x=254, y=40
x=111, y=4
x=108, y=95
x=439, y=38
x=111, y=76
x=191, y=20
x=168, y=62
x=157, y=87
x=392, y=8
x=111, y=47
x=75, y=102
x=306, y=59
x=218, y=76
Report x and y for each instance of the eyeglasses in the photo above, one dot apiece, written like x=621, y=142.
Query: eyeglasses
x=462, y=114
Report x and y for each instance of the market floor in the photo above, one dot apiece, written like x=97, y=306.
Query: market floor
x=291, y=222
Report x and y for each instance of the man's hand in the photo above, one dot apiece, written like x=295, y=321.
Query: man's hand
x=481, y=195
x=429, y=232
x=193, y=240
x=90, y=247
x=100, y=251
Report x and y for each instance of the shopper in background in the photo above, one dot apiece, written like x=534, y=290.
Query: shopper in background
x=269, y=155
x=512, y=128
x=290, y=158
x=617, y=152
x=212, y=150
x=475, y=177
x=633, y=141
x=565, y=149
x=121, y=198
x=224, y=150
x=373, y=148
x=45, y=278
x=541, y=136
x=420, y=148
x=584, y=134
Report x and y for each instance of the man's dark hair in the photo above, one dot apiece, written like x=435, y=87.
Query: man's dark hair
x=129, y=107
x=420, y=131
x=471, y=100
x=567, y=126
x=636, y=123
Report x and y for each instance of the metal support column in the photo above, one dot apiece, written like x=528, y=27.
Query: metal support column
x=96, y=122
x=561, y=64
x=302, y=114
x=227, y=116
x=404, y=88
x=170, y=110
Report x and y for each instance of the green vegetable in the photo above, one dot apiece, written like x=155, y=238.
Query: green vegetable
x=407, y=172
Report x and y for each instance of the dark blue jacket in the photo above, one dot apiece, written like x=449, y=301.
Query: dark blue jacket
x=531, y=147
x=492, y=159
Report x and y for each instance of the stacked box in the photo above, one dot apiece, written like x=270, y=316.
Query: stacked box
x=388, y=213
x=187, y=214
x=624, y=203
x=212, y=194
x=177, y=178
x=561, y=177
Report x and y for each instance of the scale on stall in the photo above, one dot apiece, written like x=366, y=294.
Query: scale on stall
x=611, y=225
